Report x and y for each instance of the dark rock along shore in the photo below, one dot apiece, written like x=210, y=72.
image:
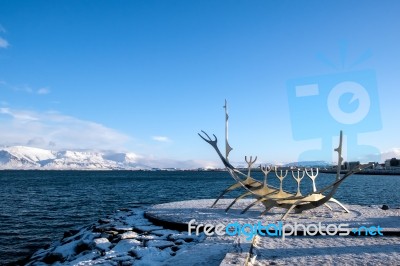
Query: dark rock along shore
x=123, y=238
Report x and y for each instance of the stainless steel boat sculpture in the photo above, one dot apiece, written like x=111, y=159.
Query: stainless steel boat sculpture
x=271, y=196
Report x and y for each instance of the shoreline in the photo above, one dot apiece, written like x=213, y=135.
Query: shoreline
x=364, y=172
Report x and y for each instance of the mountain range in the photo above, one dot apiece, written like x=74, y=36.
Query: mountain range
x=22, y=157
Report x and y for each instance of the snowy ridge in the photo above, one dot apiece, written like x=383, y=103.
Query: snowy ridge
x=22, y=157
x=26, y=158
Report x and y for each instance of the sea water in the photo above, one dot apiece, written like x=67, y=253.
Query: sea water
x=37, y=207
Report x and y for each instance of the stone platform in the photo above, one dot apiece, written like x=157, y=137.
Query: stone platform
x=293, y=250
x=178, y=214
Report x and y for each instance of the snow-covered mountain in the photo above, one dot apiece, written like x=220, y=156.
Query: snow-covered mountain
x=22, y=157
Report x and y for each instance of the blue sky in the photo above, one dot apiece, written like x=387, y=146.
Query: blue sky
x=146, y=76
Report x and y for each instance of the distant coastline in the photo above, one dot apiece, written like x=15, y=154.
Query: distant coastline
x=365, y=172
x=321, y=170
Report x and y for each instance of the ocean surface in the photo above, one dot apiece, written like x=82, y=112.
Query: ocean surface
x=37, y=207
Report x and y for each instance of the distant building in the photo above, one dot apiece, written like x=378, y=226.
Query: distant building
x=350, y=165
x=373, y=165
x=392, y=163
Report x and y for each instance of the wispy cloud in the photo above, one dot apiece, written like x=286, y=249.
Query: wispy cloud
x=43, y=91
x=49, y=129
x=3, y=43
x=18, y=115
x=25, y=88
x=161, y=139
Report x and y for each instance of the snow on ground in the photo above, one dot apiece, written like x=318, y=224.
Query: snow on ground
x=295, y=250
x=128, y=238
x=184, y=211
x=328, y=251
x=115, y=240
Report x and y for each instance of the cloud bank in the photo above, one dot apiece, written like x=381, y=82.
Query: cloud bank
x=55, y=130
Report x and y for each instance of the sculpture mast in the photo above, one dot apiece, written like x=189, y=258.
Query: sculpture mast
x=227, y=147
x=340, y=158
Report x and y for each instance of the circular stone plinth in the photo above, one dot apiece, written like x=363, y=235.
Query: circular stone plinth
x=178, y=214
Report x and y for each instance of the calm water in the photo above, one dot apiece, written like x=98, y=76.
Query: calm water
x=38, y=206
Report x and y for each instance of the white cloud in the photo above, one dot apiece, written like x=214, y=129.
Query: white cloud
x=43, y=91
x=45, y=129
x=52, y=130
x=181, y=164
x=25, y=88
x=161, y=139
x=3, y=43
x=393, y=153
x=18, y=115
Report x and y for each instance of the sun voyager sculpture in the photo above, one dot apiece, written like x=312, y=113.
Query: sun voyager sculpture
x=271, y=196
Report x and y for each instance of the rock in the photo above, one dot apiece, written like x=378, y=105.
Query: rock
x=125, y=245
x=122, y=259
x=111, y=232
x=151, y=255
x=82, y=246
x=128, y=235
x=102, y=244
x=180, y=242
x=385, y=207
x=161, y=244
x=139, y=252
x=70, y=233
x=104, y=221
x=52, y=258
x=108, y=236
x=97, y=229
x=186, y=237
x=149, y=228
x=164, y=232
x=150, y=237
x=122, y=229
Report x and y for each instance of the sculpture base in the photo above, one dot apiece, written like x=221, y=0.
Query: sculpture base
x=177, y=215
x=293, y=250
